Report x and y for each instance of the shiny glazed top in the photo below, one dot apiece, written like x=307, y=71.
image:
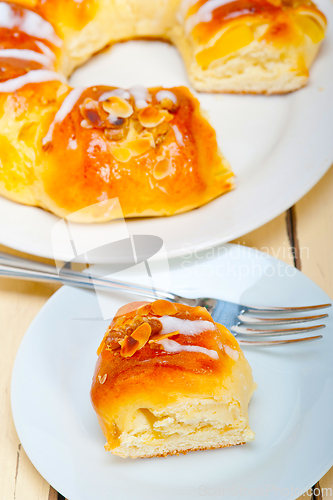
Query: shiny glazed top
x=181, y=351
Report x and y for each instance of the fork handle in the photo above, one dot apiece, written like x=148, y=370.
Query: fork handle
x=21, y=268
x=79, y=280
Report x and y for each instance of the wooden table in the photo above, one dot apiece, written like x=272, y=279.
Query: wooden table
x=303, y=236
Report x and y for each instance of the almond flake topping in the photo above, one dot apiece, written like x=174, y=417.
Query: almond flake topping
x=128, y=346
x=203, y=313
x=162, y=168
x=142, y=334
x=144, y=309
x=163, y=308
x=134, y=342
x=121, y=154
x=158, y=337
x=131, y=122
x=103, y=378
x=150, y=116
x=117, y=106
x=138, y=146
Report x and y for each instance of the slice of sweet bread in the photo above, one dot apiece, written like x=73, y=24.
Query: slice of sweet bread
x=169, y=380
x=249, y=46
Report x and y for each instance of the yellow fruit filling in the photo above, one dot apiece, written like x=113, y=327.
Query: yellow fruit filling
x=310, y=27
x=233, y=39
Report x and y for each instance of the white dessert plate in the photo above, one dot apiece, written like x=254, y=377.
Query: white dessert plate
x=278, y=146
x=291, y=410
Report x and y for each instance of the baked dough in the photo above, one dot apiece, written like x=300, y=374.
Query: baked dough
x=169, y=380
x=65, y=149
x=237, y=46
x=249, y=46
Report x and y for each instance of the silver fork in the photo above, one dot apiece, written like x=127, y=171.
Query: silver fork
x=241, y=320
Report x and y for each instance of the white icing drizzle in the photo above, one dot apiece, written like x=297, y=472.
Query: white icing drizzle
x=30, y=23
x=33, y=76
x=140, y=92
x=172, y=346
x=124, y=94
x=232, y=353
x=204, y=14
x=166, y=94
x=141, y=104
x=185, y=326
x=45, y=49
x=113, y=119
x=184, y=8
x=66, y=107
x=72, y=144
x=141, y=96
x=27, y=55
x=178, y=135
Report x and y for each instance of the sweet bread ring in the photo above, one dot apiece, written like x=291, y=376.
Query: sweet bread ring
x=65, y=149
x=237, y=46
x=169, y=380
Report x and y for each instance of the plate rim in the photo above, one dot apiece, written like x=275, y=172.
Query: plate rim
x=267, y=217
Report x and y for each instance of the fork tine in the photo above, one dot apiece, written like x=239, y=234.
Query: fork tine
x=250, y=320
x=272, y=343
x=277, y=310
x=242, y=330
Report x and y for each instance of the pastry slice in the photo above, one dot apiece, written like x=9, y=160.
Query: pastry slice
x=249, y=46
x=169, y=380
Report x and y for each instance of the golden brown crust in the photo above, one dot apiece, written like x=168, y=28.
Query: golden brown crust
x=276, y=13
x=166, y=178
x=199, y=448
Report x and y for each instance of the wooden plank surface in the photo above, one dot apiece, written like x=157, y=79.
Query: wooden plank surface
x=308, y=227
x=314, y=222
x=19, y=303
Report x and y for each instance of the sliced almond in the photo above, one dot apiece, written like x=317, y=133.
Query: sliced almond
x=142, y=334
x=138, y=146
x=86, y=124
x=158, y=337
x=121, y=154
x=144, y=310
x=136, y=125
x=102, y=379
x=128, y=346
x=203, y=313
x=167, y=116
x=91, y=113
x=117, y=106
x=163, y=308
x=151, y=117
x=162, y=169
x=148, y=135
